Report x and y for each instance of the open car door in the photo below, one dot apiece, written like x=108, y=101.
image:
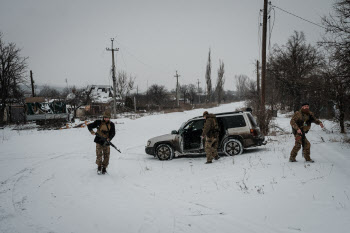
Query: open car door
x=191, y=136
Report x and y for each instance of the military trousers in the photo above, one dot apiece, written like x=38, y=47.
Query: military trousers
x=211, y=148
x=102, y=155
x=300, y=142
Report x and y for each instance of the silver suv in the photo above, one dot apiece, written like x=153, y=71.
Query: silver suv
x=238, y=130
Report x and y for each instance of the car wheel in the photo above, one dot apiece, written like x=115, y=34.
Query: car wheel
x=233, y=147
x=164, y=152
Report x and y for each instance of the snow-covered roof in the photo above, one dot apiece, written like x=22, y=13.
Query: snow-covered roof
x=102, y=93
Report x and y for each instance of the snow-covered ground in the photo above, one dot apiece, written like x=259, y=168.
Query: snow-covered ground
x=49, y=183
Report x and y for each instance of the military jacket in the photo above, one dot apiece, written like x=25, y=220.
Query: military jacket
x=105, y=129
x=211, y=127
x=303, y=121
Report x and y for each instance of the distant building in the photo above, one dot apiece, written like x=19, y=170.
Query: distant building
x=102, y=94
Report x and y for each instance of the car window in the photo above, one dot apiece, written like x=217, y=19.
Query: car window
x=252, y=120
x=235, y=121
x=198, y=125
x=194, y=125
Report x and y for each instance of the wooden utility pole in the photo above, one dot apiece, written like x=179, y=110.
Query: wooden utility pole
x=258, y=79
x=199, y=97
x=114, y=79
x=177, y=89
x=263, y=59
x=32, y=83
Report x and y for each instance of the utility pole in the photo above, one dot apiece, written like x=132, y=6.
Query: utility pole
x=177, y=88
x=114, y=78
x=258, y=79
x=199, y=97
x=262, y=117
x=263, y=59
x=32, y=82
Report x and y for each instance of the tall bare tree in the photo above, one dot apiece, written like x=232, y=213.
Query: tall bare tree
x=124, y=83
x=12, y=73
x=220, y=81
x=184, y=90
x=241, y=85
x=208, y=79
x=294, y=66
x=192, y=92
x=337, y=43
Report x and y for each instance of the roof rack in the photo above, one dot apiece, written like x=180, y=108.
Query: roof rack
x=225, y=113
x=219, y=114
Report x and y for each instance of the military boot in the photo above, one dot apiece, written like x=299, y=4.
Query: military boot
x=217, y=157
x=104, y=170
x=292, y=160
x=310, y=161
x=99, y=169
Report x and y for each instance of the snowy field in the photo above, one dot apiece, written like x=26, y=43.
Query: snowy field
x=49, y=183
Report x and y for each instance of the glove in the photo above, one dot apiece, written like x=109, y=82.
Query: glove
x=92, y=132
x=106, y=143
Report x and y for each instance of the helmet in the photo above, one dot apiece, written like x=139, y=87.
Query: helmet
x=107, y=114
x=205, y=113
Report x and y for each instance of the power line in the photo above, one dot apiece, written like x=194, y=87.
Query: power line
x=298, y=16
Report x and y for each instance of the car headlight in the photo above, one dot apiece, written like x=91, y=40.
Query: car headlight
x=148, y=143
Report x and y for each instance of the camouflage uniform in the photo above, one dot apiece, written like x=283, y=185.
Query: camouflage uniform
x=211, y=136
x=302, y=121
x=106, y=130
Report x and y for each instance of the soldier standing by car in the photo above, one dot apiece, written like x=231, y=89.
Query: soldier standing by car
x=105, y=133
x=211, y=136
x=301, y=123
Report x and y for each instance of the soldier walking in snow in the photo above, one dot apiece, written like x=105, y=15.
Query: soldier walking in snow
x=301, y=123
x=211, y=136
x=105, y=133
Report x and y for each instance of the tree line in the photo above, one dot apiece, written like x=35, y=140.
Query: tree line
x=300, y=72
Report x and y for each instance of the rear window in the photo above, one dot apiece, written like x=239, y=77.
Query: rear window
x=235, y=121
x=252, y=120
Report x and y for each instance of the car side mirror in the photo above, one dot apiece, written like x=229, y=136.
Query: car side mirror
x=174, y=132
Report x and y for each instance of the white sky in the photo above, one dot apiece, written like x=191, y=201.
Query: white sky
x=68, y=38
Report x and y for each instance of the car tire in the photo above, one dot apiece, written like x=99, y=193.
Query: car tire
x=233, y=147
x=164, y=152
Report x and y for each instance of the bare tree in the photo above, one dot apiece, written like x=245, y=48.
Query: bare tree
x=220, y=81
x=337, y=43
x=184, y=90
x=208, y=79
x=241, y=85
x=124, y=84
x=49, y=92
x=12, y=73
x=78, y=98
x=192, y=92
x=157, y=94
x=294, y=66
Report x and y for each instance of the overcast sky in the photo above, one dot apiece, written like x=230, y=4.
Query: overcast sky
x=68, y=38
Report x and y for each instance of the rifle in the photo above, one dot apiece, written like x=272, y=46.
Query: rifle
x=302, y=141
x=109, y=143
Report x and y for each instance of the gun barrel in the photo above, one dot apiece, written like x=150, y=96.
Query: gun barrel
x=109, y=142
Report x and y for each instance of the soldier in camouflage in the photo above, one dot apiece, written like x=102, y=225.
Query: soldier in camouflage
x=301, y=123
x=105, y=129
x=211, y=136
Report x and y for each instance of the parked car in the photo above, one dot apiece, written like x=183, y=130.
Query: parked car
x=238, y=130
